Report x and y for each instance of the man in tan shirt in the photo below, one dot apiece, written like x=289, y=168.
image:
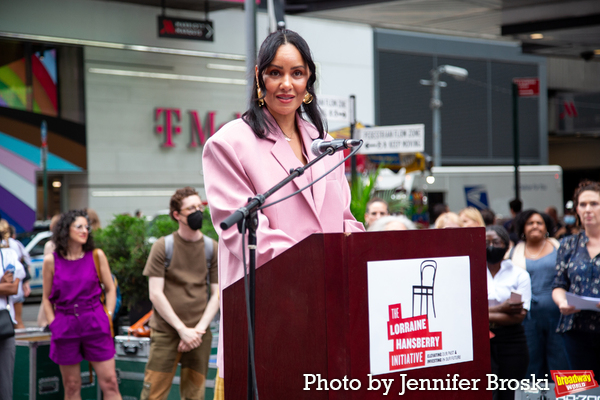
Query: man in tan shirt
x=182, y=307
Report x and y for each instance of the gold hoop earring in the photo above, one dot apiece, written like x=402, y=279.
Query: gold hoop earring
x=308, y=98
x=261, y=101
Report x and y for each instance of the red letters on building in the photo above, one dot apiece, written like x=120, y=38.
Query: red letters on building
x=197, y=131
x=168, y=125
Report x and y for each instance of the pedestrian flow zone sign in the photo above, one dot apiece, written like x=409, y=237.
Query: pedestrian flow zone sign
x=392, y=139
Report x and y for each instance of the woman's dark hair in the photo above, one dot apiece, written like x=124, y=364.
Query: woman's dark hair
x=60, y=234
x=502, y=233
x=254, y=116
x=584, y=186
x=525, y=215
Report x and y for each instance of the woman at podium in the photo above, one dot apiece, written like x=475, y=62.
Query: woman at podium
x=248, y=156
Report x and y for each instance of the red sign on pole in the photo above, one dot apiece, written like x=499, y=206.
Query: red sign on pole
x=528, y=87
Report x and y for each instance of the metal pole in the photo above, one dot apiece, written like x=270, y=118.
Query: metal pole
x=44, y=156
x=253, y=226
x=250, y=11
x=436, y=103
x=352, y=136
x=515, y=105
x=250, y=8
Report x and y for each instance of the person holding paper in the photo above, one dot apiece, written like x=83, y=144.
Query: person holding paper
x=250, y=155
x=578, y=272
x=509, y=296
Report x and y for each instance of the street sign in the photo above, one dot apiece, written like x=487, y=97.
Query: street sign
x=44, y=132
x=335, y=108
x=178, y=28
x=528, y=87
x=392, y=139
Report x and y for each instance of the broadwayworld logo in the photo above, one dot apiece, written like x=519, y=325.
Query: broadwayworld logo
x=568, y=382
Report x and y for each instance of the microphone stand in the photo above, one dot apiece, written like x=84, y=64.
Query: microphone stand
x=246, y=218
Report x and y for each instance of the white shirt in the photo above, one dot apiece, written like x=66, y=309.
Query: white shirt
x=508, y=278
x=10, y=257
x=20, y=250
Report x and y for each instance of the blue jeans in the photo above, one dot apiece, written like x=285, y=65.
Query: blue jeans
x=546, y=347
x=583, y=350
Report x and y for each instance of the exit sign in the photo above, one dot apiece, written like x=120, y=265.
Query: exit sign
x=178, y=28
x=528, y=87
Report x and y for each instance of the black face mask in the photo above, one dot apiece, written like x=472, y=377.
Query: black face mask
x=495, y=254
x=194, y=220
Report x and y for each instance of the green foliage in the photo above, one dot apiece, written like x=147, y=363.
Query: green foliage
x=398, y=202
x=125, y=245
x=162, y=225
x=207, y=226
x=361, y=191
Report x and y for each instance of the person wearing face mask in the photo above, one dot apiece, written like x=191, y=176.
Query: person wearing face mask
x=182, y=307
x=509, y=353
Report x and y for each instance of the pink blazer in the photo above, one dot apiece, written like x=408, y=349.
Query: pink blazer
x=237, y=165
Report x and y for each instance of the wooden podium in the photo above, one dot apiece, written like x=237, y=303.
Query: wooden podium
x=312, y=316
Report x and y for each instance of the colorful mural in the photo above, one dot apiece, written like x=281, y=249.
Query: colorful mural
x=28, y=96
x=13, y=84
x=19, y=162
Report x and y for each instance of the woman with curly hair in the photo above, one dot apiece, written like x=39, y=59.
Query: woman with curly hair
x=71, y=299
x=536, y=253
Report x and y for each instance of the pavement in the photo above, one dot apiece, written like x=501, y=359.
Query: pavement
x=30, y=312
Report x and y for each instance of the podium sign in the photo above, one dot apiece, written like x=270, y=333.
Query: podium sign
x=340, y=317
x=419, y=313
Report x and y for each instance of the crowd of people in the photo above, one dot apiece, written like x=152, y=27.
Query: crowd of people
x=529, y=273
x=540, y=331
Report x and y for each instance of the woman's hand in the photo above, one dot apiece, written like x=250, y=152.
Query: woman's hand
x=566, y=309
x=7, y=277
x=508, y=308
x=559, y=295
x=48, y=277
x=507, y=313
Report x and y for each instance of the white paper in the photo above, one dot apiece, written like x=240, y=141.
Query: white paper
x=583, y=302
x=447, y=313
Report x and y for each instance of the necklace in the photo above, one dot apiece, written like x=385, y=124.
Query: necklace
x=288, y=138
x=538, y=253
x=73, y=258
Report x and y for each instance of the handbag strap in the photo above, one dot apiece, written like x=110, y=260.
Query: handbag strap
x=97, y=264
x=2, y=262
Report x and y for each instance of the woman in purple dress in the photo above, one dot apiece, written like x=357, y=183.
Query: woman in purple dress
x=71, y=299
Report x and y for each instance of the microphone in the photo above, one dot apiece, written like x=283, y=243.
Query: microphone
x=319, y=146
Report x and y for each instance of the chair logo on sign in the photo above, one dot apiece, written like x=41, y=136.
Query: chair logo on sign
x=477, y=197
x=425, y=289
